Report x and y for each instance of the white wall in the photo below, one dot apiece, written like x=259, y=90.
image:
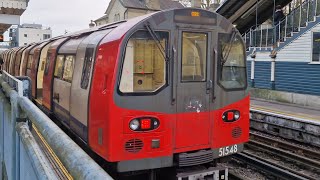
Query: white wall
x=116, y=9
x=33, y=35
x=300, y=49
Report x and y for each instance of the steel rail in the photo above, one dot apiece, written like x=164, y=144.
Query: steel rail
x=284, y=154
x=285, y=145
x=267, y=167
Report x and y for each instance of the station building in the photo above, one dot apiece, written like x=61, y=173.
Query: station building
x=28, y=33
x=125, y=9
x=283, y=59
x=10, y=12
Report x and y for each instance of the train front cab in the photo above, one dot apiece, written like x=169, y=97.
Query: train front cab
x=177, y=94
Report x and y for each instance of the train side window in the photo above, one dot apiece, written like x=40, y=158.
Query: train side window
x=29, y=63
x=144, y=67
x=47, y=64
x=232, y=62
x=194, y=56
x=68, y=68
x=58, y=70
x=86, y=70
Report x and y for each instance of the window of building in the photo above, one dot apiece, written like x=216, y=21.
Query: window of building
x=117, y=17
x=232, y=69
x=58, y=70
x=316, y=47
x=46, y=36
x=25, y=35
x=144, y=67
x=87, y=65
x=25, y=44
x=194, y=56
x=68, y=68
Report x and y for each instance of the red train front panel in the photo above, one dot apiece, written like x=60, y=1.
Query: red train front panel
x=173, y=91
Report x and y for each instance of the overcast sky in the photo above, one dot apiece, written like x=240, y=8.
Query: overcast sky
x=61, y=15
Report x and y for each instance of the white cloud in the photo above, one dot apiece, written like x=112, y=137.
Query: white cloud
x=61, y=15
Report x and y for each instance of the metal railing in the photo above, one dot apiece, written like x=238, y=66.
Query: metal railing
x=268, y=35
x=20, y=155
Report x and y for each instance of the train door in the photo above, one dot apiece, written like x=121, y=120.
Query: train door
x=62, y=85
x=193, y=84
x=40, y=72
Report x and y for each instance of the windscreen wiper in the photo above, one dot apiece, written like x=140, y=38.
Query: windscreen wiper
x=229, y=46
x=156, y=39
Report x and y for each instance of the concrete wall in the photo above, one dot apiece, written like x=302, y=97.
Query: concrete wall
x=310, y=101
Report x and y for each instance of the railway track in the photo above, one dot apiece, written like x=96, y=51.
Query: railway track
x=267, y=167
x=282, y=159
x=305, y=160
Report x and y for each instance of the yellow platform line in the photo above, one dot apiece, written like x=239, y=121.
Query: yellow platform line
x=285, y=113
x=55, y=157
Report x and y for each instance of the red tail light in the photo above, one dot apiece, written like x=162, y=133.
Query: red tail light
x=231, y=116
x=145, y=124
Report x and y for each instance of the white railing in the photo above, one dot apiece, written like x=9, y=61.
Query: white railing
x=270, y=35
x=15, y=83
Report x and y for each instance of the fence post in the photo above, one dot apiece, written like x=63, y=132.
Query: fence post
x=1, y=134
x=315, y=11
x=299, y=25
x=285, y=29
x=15, y=138
x=308, y=13
x=267, y=33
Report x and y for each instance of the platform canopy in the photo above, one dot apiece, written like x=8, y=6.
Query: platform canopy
x=242, y=13
x=10, y=12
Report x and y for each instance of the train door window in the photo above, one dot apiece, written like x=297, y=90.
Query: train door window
x=29, y=63
x=47, y=64
x=194, y=56
x=58, y=70
x=232, y=69
x=87, y=65
x=144, y=67
x=68, y=68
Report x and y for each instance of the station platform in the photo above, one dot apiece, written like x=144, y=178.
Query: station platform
x=286, y=109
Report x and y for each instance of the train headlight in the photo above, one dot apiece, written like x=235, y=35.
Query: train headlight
x=144, y=124
x=134, y=124
x=231, y=116
x=236, y=115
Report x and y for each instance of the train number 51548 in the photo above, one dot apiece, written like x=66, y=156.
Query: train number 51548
x=224, y=151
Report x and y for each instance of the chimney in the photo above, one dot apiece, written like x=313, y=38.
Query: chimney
x=153, y=4
x=196, y=3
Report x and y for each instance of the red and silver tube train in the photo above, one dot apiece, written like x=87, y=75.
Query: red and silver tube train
x=164, y=89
